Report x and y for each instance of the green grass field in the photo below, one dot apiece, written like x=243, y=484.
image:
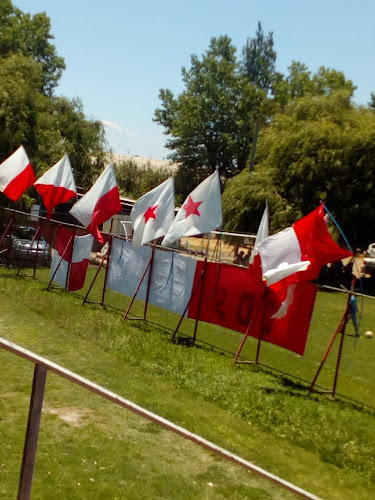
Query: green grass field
x=89, y=448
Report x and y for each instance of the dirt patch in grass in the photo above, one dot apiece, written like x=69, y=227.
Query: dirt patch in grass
x=70, y=415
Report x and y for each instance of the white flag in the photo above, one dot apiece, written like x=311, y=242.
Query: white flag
x=153, y=213
x=263, y=231
x=200, y=212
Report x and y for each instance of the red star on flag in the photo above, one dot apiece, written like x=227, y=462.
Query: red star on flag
x=191, y=207
x=150, y=213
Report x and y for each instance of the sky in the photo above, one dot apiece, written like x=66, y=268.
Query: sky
x=120, y=53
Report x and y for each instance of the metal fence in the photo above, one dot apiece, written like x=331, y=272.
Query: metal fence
x=358, y=354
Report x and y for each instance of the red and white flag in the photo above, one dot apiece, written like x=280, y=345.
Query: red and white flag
x=200, y=212
x=99, y=203
x=153, y=214
x=71, y=258
x=16, y=174
x=57, y=185
x=306, y=246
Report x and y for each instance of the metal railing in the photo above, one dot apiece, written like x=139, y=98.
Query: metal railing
x=43, y=365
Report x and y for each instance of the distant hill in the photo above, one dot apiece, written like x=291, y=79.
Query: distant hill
x=140, y=161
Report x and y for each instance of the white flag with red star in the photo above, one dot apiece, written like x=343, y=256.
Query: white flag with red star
x=200, y=212
x=153, y=213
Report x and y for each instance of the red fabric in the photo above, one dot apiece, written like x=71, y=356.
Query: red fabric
x=77, y=275
x=52, y=196
x=316, y=244
x=232, y=296
x=20, y=183
x=109, y=204
x=77, y=272
x=290, y=331
x=62, y=240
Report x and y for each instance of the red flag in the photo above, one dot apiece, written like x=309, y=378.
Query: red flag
x=56, y=185
x=99, y=203
x=16, y=174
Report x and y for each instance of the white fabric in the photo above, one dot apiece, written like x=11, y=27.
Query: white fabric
x=12, y=167
x=62, y=272
x=263, y=231
x=281, y=256
x=161, y=197
x=283, y=270
x=82, y=248
x=210, y=218
x=172, y=275
x=84, y=208
x=283, y=309
x=60, y=175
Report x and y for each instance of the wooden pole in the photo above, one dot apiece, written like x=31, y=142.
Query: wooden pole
x=32, y=432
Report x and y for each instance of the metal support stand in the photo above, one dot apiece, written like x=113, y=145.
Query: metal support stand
x=340, y=329
x=32, y=432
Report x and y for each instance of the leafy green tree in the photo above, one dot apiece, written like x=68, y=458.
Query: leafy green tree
x=259, y=60
x=134, y=180
x=317, y=148
x=30, y=36
x=210, y=124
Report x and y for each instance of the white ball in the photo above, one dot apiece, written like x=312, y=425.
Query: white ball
x=369, y=334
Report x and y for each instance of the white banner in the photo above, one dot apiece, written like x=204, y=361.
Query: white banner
x=172, y=275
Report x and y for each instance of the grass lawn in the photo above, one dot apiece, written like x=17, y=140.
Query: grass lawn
x=88, y=448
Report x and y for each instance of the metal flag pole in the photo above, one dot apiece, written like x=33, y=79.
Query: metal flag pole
x=61, y=259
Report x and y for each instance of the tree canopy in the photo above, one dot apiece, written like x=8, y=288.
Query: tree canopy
x=316, y=148
x=30, y=113
x=211, y=123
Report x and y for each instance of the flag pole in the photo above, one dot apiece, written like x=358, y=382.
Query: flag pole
x=235, y=360
x=108, y=254
x=340, y=329
x=8, y=232
x=137, y=290
x=96, y=275
x=149, y=282
x=61, y=259
x=27, y=253
x=201, y=289
x=187, y=306
x=67, y=278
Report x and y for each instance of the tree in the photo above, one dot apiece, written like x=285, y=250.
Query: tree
x=30, y=36
x=259, y=60
x=211, y=122
x=317, y=148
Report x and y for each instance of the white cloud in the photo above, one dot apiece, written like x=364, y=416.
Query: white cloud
x=115, y=127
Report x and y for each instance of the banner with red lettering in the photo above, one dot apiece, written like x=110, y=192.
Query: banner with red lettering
x=233, y=297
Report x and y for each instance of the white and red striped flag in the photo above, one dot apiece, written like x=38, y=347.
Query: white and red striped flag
x=74, y=253
x=306, y=246
x=99, y=203
x=153, y=213
x=16, y=174
x=57, y=185
x=200, y=212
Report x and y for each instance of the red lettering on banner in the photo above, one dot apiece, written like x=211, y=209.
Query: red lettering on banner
x=232, y=296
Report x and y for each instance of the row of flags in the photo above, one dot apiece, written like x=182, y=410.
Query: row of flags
x=153, y=215
x=298, y=251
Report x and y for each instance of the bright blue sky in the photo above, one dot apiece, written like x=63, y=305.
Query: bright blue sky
x=120, y=53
